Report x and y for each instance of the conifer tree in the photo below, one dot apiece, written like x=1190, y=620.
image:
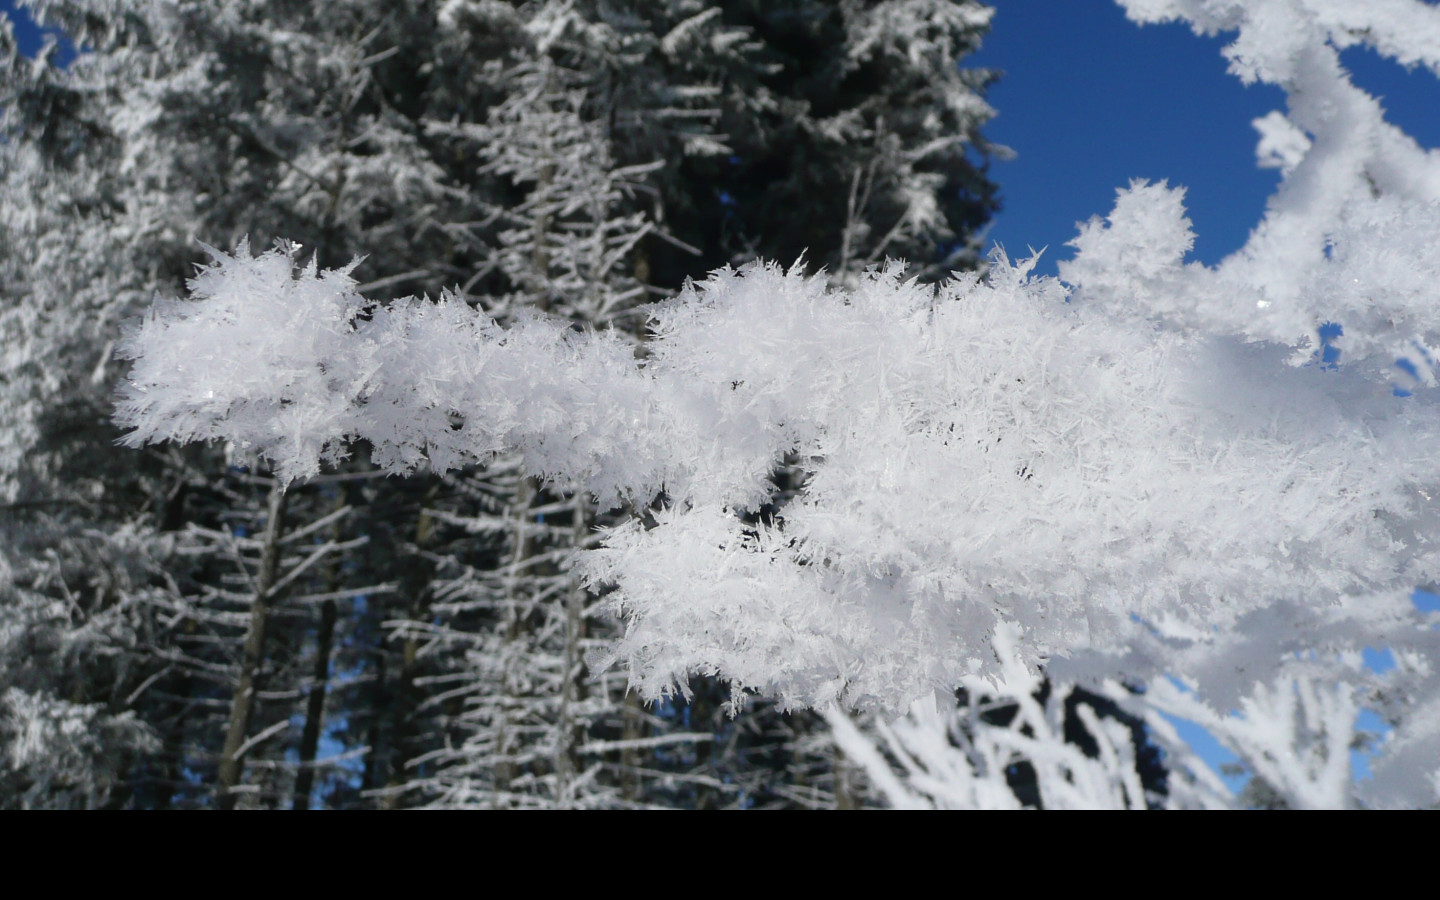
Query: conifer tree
x=572, y=158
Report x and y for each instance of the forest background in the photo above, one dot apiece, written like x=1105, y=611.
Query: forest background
x=186, y=634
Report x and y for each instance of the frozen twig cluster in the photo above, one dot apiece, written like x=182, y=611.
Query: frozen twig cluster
x=1136, y=473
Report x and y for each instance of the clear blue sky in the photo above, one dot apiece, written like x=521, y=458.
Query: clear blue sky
x=29, y=36
x=1089, y=100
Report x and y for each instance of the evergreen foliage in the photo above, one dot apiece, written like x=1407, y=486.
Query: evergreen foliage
x=1141, y=473
x=423, y=640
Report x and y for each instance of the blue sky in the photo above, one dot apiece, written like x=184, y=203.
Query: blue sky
x=29, y=36
x=1090, y=100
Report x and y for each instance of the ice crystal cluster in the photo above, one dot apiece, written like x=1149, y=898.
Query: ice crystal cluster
x=1140, y=471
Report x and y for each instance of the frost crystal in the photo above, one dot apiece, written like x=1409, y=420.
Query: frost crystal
x=1139, y=472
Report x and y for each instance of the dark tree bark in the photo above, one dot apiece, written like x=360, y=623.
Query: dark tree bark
x=315, y=706
x=232, y=762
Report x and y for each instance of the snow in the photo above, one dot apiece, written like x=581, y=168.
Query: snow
x=1138, y=472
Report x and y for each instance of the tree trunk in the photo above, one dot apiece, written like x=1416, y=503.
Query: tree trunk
x=506, y=741
x=844, y=788
x=379, y=701
x=632, y=728
x=405, y=694
x=315, y=706
x=320, y=679
x=243, y=704
x=567, y=762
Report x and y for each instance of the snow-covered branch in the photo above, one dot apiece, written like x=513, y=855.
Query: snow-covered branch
x=1138, y=473
x=977, y=453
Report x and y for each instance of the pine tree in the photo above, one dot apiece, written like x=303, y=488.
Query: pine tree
x=181, y=122
x=560, y=157
x=854, y=124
